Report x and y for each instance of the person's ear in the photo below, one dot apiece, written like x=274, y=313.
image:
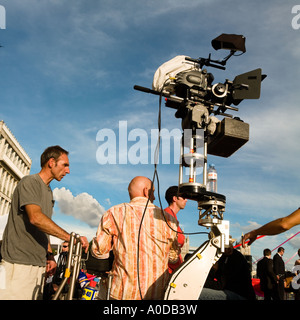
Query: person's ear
x=51, y=163
x=146, y=192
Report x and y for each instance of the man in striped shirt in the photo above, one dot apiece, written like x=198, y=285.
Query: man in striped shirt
x=140, y=235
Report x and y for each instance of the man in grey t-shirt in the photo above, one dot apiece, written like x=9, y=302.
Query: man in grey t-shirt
x=25, y=248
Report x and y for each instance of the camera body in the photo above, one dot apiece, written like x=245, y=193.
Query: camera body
x=199, y=102
x=190, y=90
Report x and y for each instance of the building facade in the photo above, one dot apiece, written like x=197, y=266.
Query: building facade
x=14, y=165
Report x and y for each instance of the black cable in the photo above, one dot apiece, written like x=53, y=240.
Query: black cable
x=139, y=234
x=155, y=166
x=156, y=157
x=155, y=174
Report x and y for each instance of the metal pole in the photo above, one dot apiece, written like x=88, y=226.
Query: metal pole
x=75, y=267
x=205, y=159
x=109, y=286
x=68, y=267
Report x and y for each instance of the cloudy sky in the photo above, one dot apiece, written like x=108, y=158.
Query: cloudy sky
x=67, y=74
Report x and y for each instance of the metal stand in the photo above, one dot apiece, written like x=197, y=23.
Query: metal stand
x=187, y=281
x=73, y=267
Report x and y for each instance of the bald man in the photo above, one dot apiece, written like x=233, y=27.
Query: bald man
x=140, y=239
x=141, y=187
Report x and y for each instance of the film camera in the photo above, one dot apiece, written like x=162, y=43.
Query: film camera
x=189, y=88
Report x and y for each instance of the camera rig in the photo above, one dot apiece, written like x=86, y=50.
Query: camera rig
x=189, y=89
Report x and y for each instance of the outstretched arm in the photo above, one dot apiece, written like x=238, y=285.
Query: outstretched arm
x=45, y=224
x=274, y=227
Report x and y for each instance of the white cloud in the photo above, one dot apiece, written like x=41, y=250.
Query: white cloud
x=251, y=226
x=79, y=228
x=82, y=207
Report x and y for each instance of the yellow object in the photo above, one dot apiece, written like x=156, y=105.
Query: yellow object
x=67, y=273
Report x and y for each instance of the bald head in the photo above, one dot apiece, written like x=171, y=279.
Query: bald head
x=140, y=187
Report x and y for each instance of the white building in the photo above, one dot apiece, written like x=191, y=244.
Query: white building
x=14, y=165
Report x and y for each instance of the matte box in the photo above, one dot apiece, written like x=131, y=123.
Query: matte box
x=230, y=135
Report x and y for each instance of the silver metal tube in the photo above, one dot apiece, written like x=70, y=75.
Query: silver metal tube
x=76, y=272
x=181, y=162
x=76, y=262
x=70, y=255
x=59, y=289
x=109, y=285
x=68, y=267
x=205, y=160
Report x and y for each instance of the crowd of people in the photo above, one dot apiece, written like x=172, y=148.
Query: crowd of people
x=139, y=243
x=275, y=282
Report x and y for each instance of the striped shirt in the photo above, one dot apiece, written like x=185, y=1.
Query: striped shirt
x=118, y=231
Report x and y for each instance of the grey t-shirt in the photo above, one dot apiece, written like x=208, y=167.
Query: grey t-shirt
x=23, y=243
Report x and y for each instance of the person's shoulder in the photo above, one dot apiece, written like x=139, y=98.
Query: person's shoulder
x=297, y=262
x=27, y=179
x=238, y=253
x=168, y=215
x=115, y=208
x=30, y=177
x=260, y=262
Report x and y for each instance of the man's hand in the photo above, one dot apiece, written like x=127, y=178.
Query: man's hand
x=85, y=244
x=50, y=267
x=251, y=236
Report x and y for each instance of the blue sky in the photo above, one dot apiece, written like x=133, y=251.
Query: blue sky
x=68, y=69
